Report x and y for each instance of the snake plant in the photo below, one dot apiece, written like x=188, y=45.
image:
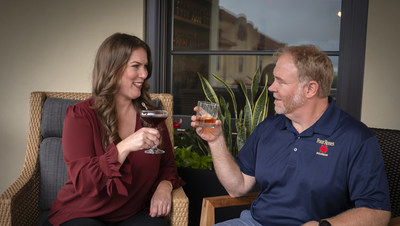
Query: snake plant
x=255, y=109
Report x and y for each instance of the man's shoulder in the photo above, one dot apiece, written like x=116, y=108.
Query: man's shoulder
x=349, y=125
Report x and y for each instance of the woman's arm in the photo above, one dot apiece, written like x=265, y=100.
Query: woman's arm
x=168, y=178
x=91, y=169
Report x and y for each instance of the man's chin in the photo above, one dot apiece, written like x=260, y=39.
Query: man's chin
x=279, y=111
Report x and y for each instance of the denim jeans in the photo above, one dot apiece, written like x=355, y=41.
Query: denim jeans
x=245, y=220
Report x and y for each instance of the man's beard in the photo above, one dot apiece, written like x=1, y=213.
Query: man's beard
x=291, y=103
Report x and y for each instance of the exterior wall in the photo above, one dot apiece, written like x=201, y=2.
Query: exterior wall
x=50, y=45
x=381, y=104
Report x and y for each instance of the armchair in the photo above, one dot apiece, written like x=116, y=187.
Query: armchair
x=28, y=200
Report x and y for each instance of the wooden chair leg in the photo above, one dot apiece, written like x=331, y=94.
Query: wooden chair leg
x=207, y=213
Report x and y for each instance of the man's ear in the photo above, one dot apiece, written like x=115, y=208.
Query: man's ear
x=311, y=89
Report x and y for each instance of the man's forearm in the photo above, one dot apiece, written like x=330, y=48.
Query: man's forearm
x=226, y=168
x=358, y=216
x=362, y=216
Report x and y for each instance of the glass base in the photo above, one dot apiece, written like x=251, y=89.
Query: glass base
x=154, y=151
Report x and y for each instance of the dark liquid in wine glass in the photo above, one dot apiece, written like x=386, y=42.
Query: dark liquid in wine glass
x=154, y=119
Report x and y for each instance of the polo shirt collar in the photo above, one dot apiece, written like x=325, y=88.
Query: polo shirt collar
x=329, y=120
x=325, y=125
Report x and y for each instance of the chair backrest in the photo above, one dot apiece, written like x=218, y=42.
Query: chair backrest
x=389, y=140
x=53, y=171
x=47, y=116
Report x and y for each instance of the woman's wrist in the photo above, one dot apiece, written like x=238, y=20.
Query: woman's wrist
x=168, y=184
x=122, y=152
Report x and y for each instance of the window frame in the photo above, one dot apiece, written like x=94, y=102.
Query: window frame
x=353, y=30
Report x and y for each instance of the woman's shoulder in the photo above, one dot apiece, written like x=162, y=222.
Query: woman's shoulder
x=82, y=107
x=87, y=103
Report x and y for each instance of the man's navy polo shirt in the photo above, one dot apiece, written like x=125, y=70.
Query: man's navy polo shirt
x=333, y=166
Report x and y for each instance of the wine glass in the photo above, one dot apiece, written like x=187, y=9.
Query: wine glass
x=154, y=118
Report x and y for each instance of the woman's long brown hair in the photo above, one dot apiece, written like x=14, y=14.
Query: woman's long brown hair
x=111, y=61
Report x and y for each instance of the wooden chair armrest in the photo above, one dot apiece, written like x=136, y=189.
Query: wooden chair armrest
x=395, y=221
x=210, y=203
x=180, y=208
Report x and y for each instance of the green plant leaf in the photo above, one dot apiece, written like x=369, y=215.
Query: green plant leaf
x=241, y=138
x=259, y=108
x=230, y=91
x=248, y=113
x=208, y=90
x=254, y=85
x=205, y=161
x=226, y=123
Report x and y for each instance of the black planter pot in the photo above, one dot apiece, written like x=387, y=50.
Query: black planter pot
x=204, y=183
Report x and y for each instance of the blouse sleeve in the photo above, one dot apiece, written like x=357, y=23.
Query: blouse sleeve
x=168, y=170
x=90, y=169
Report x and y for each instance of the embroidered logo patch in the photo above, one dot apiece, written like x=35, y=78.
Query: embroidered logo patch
x=323, y=149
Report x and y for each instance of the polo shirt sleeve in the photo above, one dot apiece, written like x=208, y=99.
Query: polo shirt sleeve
x=368, y=184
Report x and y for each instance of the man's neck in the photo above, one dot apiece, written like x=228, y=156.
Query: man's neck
x=304, y=117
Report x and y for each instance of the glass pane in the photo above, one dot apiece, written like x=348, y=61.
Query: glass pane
x=335, y=62
x=237, y=25
x=186, y=86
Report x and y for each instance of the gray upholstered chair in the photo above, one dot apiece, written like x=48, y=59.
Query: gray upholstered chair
x=28, y=200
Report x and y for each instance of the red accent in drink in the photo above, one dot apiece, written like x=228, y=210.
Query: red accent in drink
x=210, y=121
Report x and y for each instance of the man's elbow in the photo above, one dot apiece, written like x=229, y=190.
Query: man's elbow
x=236, y=194
x=386, y=216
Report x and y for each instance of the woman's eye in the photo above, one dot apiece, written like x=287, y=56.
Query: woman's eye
x=135, y=66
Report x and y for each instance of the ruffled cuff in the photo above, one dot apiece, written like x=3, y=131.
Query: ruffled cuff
x=116, y=174
x=175, y=180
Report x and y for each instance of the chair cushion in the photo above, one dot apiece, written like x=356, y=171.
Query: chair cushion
x=43, y=215
x=53, y=171
x=53, y=116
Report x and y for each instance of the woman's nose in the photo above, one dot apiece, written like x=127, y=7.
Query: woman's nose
x=143, y=73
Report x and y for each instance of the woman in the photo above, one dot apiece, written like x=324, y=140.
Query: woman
x=111, y=181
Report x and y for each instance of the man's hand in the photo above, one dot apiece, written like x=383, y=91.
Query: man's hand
x=207, y=134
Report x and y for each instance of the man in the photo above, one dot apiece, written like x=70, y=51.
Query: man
x=315, y=164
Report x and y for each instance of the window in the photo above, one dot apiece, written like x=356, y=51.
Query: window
x=232, y=38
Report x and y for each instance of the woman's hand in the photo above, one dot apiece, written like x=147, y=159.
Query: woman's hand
x=144, y=138
x=160, y=204
x=207, y=134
